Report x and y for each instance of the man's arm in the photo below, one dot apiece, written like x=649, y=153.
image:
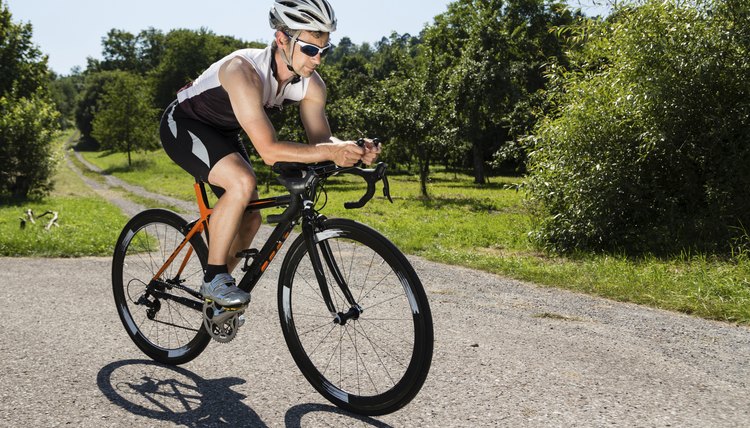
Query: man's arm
x=312, y=113
x=242, y=83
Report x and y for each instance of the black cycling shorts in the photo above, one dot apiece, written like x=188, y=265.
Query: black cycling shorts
x=196, y=146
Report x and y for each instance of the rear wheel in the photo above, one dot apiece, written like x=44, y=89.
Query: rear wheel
x=163, y=315
x=377, y=362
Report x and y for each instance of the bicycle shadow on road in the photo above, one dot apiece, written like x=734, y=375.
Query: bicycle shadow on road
x=177, y=395
x=293, y=417
x=174, y=394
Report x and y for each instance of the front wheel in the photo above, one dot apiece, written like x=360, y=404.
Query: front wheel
x=374, y=363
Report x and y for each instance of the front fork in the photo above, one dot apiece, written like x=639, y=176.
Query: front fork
x=310, y=221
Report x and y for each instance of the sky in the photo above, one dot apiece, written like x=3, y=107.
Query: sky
x=69, y=31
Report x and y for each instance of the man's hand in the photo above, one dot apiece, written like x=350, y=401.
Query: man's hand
x=372, y=150
x=347, y=153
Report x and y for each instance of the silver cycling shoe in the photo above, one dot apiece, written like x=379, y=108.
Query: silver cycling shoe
x=224, y=291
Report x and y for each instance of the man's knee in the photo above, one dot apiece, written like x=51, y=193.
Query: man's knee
x=243, y=186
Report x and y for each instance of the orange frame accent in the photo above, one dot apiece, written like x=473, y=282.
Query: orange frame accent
x=201, y=224
x=205, y=211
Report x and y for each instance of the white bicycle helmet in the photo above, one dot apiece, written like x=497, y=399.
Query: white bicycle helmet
x=310, y=15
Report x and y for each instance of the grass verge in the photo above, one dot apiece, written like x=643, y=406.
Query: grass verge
x=88, y=225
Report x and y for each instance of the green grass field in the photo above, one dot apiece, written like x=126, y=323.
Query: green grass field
x=482, y=227
x=88, y=224
x=485, y=227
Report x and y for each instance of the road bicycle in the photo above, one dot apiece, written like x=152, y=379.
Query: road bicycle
x=352, y=309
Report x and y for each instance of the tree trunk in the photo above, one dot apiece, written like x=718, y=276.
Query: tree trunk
x=424, y=174
x=20, y=189
x=478, y=155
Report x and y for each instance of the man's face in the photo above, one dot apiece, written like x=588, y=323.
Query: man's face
x=302, y=62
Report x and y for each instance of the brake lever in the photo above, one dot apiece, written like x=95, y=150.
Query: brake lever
x=386, y=188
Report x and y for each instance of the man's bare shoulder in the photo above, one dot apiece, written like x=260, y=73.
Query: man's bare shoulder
x=239, y=71
x=316, y=89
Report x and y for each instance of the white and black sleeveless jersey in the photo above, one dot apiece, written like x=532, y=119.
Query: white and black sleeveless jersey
x=205, y=100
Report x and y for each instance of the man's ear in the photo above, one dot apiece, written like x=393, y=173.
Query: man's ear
x=281, y=38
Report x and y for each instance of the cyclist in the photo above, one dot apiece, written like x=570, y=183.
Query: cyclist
x=200, y=129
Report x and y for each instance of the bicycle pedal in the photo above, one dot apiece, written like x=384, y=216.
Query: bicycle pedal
x=247, y=254
x=250, y=252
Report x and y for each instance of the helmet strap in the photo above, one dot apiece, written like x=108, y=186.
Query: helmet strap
x=288, y=60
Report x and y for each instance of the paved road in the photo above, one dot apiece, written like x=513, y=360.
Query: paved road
x=506, y=354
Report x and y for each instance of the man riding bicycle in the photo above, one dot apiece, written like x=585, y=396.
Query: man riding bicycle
x=199, y=130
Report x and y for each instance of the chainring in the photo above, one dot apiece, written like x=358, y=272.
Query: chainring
x=221, y=324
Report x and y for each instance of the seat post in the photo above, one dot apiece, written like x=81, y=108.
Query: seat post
x=202, y=197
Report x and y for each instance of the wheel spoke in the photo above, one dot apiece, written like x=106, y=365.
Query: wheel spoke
x=369, y=355
x=172, y=326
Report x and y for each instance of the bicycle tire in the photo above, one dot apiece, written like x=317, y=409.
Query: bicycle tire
x=173, y=334
x=383, y=377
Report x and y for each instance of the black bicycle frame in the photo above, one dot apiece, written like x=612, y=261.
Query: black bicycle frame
x=300, y=208
x=280, y=234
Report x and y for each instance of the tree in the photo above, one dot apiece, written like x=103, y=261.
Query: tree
x=23, y=68
x=647, y=151
x=125, y=120
x=414, y=114
x=350, y=88
x=88, y=104
x=151, y=48
x=64, y=91
x=122, y=50
x=187, y=53
x=488, y=56
x=28, y=120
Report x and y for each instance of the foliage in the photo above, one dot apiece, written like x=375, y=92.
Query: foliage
x=125, y=51
x=648, y=150
x=487, y=57
x=27, y=126
x=416, y=118
x=125, y=120
x=23, y=68
x=186, y=54
x=27, y=117
x=87, y=105
x=64, y=91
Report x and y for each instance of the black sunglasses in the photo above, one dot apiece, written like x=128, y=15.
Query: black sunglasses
x=310, y=49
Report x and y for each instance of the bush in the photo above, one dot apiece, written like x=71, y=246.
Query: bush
x=27, y=127
x=27, y=117
x=648, y=151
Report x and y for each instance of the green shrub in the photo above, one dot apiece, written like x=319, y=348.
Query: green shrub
x=27, y=127
x=648, y=151
x=28, y=118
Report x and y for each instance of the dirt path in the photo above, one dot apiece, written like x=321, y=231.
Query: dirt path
x=127, y=206
x=112, y=182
